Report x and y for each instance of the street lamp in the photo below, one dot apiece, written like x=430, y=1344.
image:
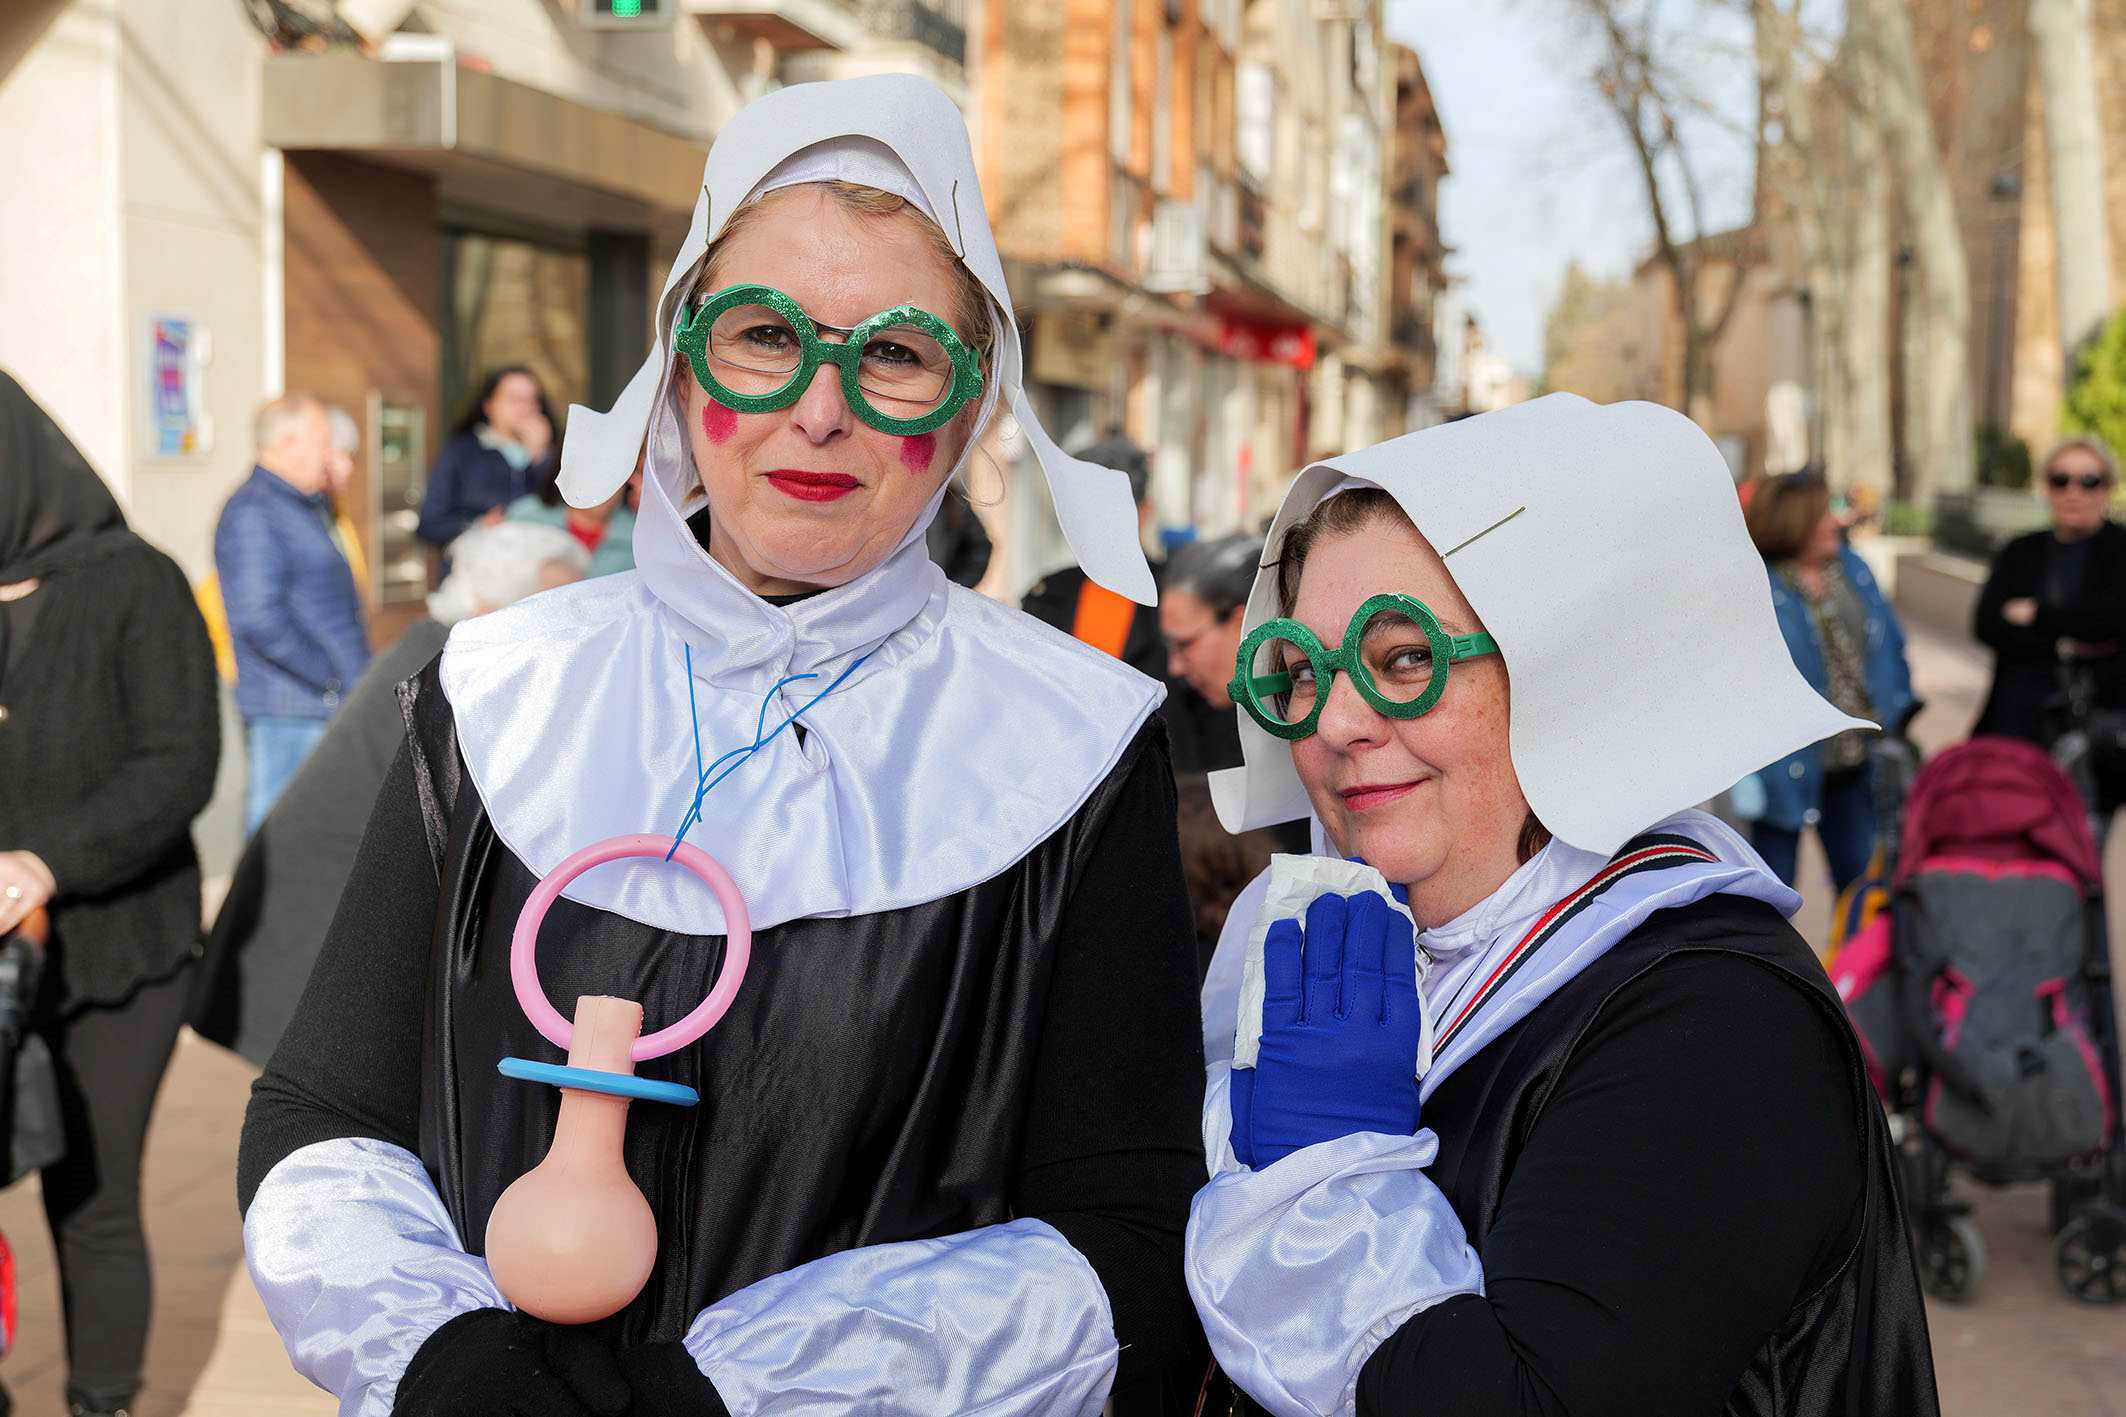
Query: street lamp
x=2005, y=188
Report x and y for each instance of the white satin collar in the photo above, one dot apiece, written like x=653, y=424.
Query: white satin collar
x=964, y=734
x=1537, y=884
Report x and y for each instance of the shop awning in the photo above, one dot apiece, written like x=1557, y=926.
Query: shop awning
x=491, y=141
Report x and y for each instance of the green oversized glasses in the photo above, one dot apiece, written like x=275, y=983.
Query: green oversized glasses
x=754, y=349
x=1395, y=651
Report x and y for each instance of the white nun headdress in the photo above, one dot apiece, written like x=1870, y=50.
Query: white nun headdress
x=1610, y=563
x=899, y=133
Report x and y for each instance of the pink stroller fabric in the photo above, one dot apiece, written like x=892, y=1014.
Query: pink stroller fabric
x=1999, y=800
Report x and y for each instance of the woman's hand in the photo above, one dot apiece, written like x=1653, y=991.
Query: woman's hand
x=1341, y=1026
x=2020, y=611
x=502, y=1363
x=25, y=884
x=536, y=435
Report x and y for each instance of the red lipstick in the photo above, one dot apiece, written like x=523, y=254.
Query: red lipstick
x=812, y=486
x=1376, y=794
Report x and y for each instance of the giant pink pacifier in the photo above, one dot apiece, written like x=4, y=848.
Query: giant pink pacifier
x=572, y=1240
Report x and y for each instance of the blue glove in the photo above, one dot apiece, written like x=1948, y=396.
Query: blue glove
x=1341, y=1025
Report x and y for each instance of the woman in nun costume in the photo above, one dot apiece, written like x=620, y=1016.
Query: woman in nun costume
x=1535, y=1103
x=947, y=1131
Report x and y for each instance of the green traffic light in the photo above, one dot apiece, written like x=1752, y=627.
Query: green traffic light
x=627, y=9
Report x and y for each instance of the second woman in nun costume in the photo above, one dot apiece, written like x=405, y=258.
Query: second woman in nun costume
x=1547, y=1109
x=947, y=1133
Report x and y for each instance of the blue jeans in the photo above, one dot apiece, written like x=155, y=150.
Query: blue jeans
x=1846, y=828
x=277, y=747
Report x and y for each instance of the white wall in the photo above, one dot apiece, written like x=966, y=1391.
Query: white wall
x=669, y=75
x=59, y=240
x=193, y=243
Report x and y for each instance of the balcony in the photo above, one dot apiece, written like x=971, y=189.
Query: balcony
x=939, y=26
x=1254, y=223
x=791, y=26
x=1412, y=337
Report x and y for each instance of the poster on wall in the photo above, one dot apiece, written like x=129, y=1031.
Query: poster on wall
x=177, y=349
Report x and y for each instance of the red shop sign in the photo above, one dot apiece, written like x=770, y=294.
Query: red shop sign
x=1271, y=344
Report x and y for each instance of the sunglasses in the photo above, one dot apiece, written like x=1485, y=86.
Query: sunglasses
x=2088, y=481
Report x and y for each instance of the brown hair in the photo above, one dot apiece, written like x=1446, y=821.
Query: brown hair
x=970, y=315
x=1784, y=512
x=1216, y=864
x=1352, y=511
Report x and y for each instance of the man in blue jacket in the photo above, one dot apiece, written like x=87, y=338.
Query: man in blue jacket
x=295, y=618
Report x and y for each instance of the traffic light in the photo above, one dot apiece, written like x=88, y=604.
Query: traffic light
x=624, y=14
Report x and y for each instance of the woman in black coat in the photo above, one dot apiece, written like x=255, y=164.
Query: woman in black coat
x=109, y=736
x=2058, y=596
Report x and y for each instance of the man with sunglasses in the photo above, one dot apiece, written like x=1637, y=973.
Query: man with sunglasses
x=2058, y=597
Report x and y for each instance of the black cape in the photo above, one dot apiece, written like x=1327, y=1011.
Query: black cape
x=1853, y=1344
x=878, y=1078
x=267, y=934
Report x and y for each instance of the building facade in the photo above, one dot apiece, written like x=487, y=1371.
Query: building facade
x=1195, y=206
x=1218, y=216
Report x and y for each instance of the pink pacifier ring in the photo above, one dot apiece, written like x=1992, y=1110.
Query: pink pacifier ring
x=737, y=951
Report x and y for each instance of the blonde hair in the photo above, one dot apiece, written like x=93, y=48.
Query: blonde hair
x=970, y=316
x=2089, y=443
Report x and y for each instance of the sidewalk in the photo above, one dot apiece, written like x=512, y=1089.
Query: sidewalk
x=212, y=1353
x=2021, y=1347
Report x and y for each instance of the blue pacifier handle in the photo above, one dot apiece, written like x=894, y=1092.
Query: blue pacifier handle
x=595, y=1080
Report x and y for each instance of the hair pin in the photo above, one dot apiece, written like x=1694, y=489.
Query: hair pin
x=1485, y=532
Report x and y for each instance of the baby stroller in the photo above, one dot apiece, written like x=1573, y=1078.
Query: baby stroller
x=1982, y=998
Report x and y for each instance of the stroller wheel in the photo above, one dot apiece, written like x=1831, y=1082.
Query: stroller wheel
x=1952, y=1257
x=2070, y=1194
x=2090, y=1256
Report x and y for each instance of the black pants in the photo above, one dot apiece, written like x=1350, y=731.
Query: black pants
x=110, y=1063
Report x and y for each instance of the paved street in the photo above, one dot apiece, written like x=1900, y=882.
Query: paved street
x=2020, y=1348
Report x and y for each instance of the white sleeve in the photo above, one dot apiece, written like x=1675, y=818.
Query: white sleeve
x=1001, y=1321
x=358, y=1263
x=1302, y=1269
x=1220, y=999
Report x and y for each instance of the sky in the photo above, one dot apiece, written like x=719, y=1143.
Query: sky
x=1540, y=173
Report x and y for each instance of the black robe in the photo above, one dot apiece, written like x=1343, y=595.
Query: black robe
x=1025, y=1047
x=1851, y=1342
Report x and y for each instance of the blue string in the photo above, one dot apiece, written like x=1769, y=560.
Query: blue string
x=737, y=757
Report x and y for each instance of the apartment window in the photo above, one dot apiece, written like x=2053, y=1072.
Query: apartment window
x=1204, y=73
x=1163, y=110
x=1255, y=121
x=1118, y=95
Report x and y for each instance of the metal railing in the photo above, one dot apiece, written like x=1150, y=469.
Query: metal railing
x=938, y=25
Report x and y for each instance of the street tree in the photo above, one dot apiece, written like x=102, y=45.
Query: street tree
x=1937, y=301
x=1825, y=182
x=2065, y=41
x=1650, y=100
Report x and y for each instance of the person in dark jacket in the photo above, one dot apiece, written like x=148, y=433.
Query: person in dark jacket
x=958, y=541
x=1078, y=606
x=288, y=882
x=295, y=616
x=1617, y=1152
x=2056, y=599
x=109, y=736
x=496, y=453
x=1201, y=602
x=1848, y=644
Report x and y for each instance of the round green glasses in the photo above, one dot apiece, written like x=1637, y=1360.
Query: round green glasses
x=1395, y=651
x=754, y=349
